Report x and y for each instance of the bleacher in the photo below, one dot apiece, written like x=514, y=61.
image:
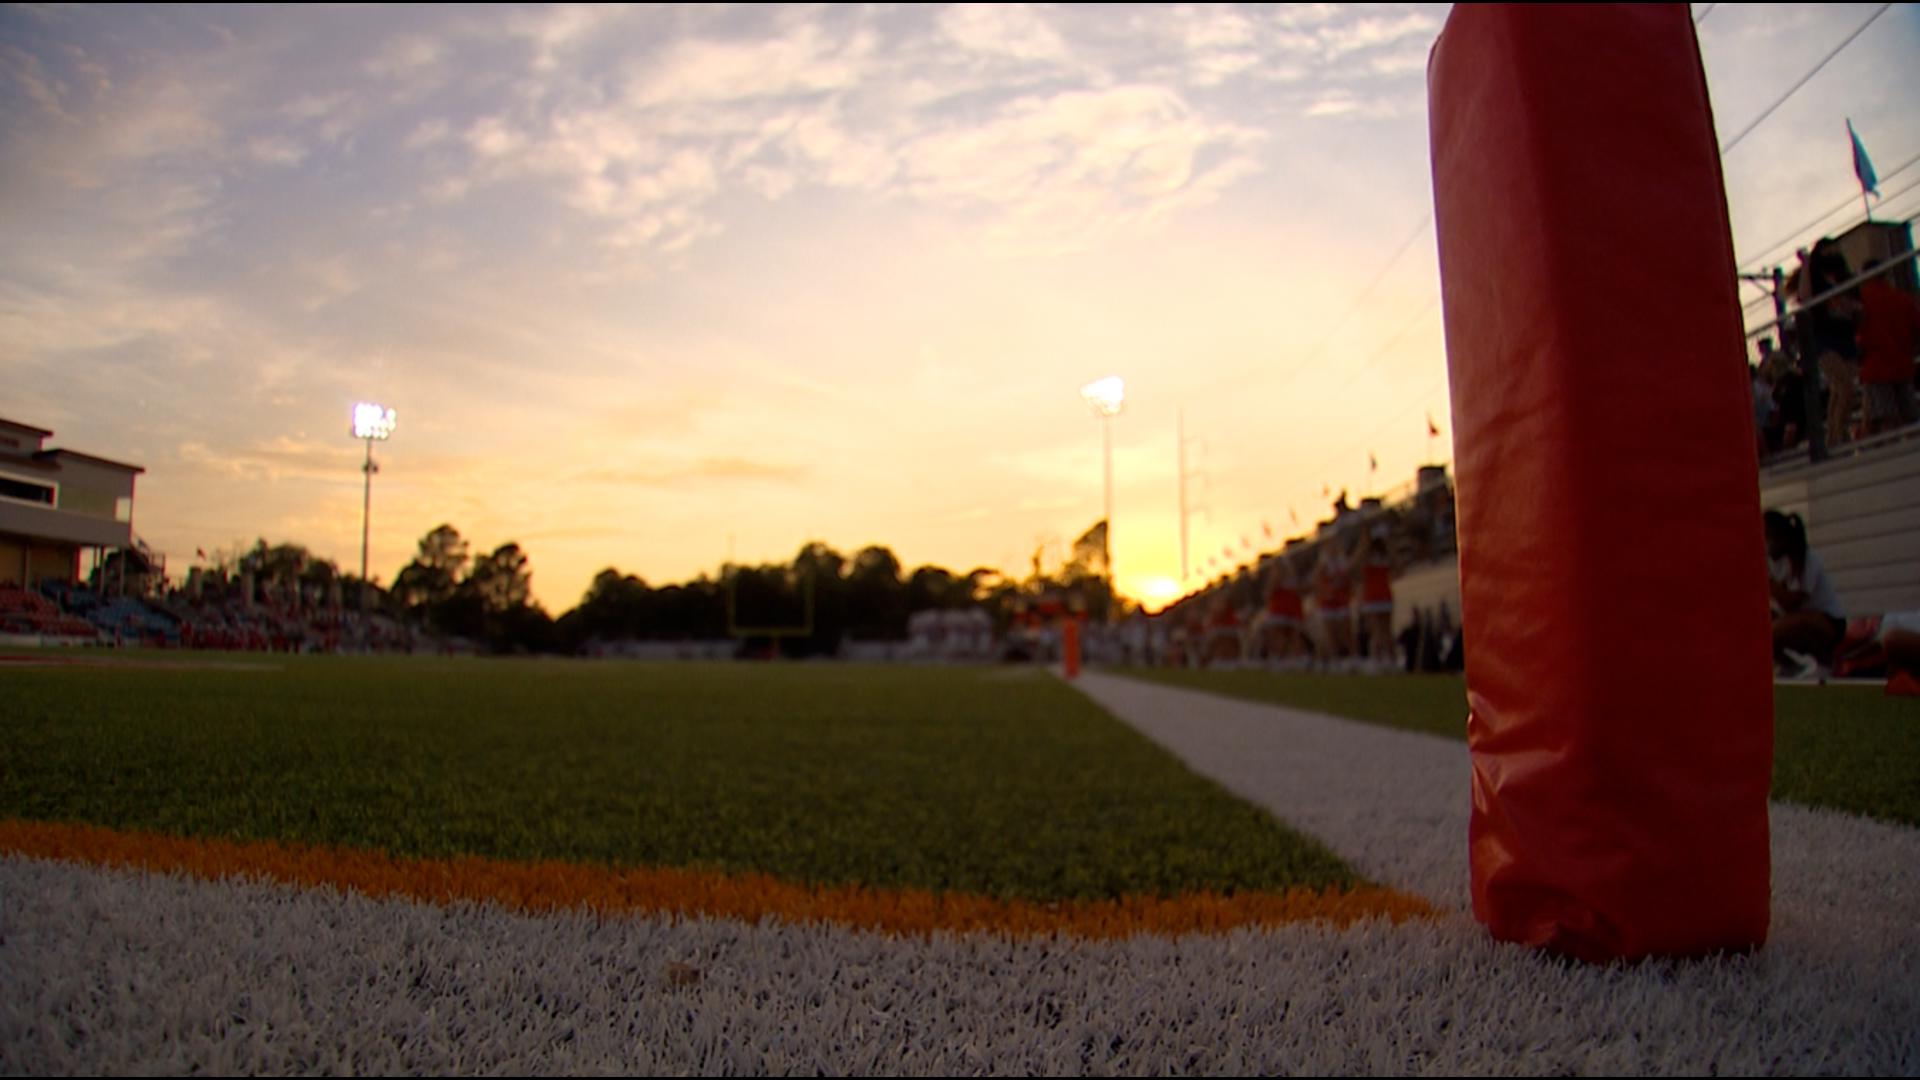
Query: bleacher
x=120, y=619
x=1862, y=509
x=27, y=613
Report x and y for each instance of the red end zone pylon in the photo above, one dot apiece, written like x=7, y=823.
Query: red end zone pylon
x=1613, y=582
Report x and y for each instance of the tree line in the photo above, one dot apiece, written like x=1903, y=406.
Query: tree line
x=808, y=606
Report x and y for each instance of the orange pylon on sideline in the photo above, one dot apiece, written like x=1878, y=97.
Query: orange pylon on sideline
x=1608, y=493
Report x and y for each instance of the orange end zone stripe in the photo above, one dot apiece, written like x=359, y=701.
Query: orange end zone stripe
x=559, y=886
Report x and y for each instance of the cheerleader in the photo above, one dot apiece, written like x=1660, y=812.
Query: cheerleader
x=1376, y=604
x=1282, y=625
x=1224, y=647
x=1333, y=601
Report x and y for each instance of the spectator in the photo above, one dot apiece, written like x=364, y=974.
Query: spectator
x=1832, y=327
x=1808, y=620
x=1900, y=638
x=1789, y=422
x=1760, y=376
x=1888, y=336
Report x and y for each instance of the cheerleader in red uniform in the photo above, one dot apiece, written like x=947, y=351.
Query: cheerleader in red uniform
x=1333, y=602
x=1376, y=604
x=1284, y=617
x=1224, y=648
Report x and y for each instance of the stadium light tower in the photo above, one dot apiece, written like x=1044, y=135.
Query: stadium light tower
x=1106, y=397
x=370, y=422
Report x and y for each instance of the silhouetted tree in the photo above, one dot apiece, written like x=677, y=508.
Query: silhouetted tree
x=435, y=571
x=502, y=581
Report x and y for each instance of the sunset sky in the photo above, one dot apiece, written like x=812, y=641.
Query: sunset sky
x=646, y=283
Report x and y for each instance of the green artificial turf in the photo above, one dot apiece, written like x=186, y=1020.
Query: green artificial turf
x=948, y=779
x=1848, y=748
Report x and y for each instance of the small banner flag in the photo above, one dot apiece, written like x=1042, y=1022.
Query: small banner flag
x=1863, y=165
x=1433, y=429
x=1294, y=514
x=1373, y=463
x=1267, y=529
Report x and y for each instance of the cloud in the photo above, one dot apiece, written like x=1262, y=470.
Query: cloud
x=1006, y=31
x=1340, y=38
x=557, y=30
x=32, y=78
x=429, y=133
x=276, y=150
x=1052, y=128
x=805, y=61
x=405, y=56
x=711, y=469
x=280, y=458
x=1068, y=166
x=494, y=137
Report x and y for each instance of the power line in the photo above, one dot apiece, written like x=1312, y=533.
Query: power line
x=1427, y=220
x=1804, y=79
x=1386, y=345
x=1790, y=238
x=1339, y=324
x=1423, y=398
x=1394, y=339
x=1873, y=271
x=1886, y=205
x=1392, y=260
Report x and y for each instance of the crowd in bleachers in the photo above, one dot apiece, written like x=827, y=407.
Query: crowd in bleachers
x=1850, y=357
x=69, y=613
x=26, y=613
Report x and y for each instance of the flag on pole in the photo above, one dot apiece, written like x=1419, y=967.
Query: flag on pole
x=1267, y=529
x=1373, y=463
x=1433, y=429
x=1862, y=164
x=1294, y=514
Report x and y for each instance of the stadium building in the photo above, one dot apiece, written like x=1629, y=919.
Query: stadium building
x=56, y=504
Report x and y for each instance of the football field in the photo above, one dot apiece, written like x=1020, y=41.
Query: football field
x=335, y=864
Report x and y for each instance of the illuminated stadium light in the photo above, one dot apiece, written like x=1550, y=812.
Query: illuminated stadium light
x=1105, y=396
x=372, y=421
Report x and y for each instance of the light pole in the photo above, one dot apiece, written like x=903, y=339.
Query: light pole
x=370, y=422
x=1106, y=397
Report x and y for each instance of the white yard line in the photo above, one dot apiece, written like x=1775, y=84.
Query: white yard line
x=1392, y=803
x=115, y=971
